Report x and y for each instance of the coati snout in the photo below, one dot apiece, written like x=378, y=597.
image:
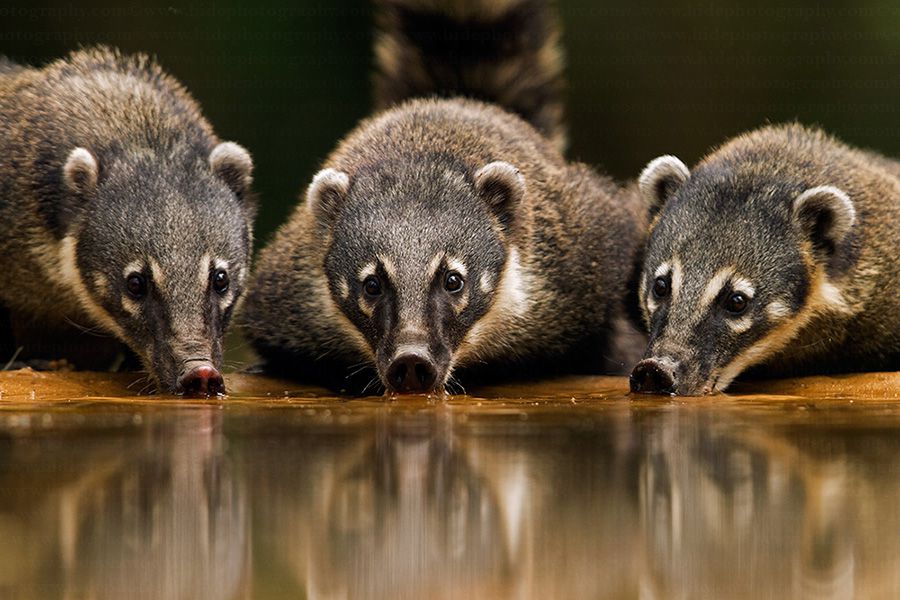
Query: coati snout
x=416, y=249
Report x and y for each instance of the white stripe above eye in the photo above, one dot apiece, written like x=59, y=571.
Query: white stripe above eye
x=221, y=264
x=715, y=285
x=135, y=266
x=662, y=270
x=454, y=264
x=434, y=265
x=203, y=273
x=743, y=285
x=157, y=273
x=367, y=270
x=677, y=277
x=388, y=267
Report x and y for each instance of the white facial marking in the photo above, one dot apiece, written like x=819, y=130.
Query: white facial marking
x=454, y=264
x=740, y=325
x=825, y=297
x=434, y=265
x=419, y=349
x=135, y=266
x=777, y=310
x=831, y=296
x=68, y=263
x=485, y=282
x=662, y=270
x=388, y=266
x=157, y=273
x=131, y=307
x=101, y=283
x=203, y=271
x=511, y=302
x=413, y=331
x=221, y=264
x=743, y=285
x=714, y=287
x=677, y=277
x=343, y=288
x=365, y=307
x=366, y=271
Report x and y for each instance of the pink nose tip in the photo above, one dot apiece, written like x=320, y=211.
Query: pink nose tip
x=204, y=380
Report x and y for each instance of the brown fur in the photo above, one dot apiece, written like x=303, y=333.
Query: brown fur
x=867, y=335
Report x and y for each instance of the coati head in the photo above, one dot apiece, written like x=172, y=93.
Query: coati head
x=737, y=262
x=416, y=248
x=156, y=248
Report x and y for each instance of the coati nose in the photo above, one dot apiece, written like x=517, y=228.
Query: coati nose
x=651, y=376
x=411, y=373
x=204, y=380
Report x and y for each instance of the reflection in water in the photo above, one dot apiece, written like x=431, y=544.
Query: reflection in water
x=157, y=513
x=382, y=501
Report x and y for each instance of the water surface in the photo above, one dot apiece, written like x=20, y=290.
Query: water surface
x=567, y=489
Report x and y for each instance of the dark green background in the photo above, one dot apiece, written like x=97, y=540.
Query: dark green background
x=287, y=81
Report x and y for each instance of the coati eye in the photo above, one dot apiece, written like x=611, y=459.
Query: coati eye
x=372, y=286
x=453, y=282
x=660, y=288
x=736, y=303
x=220, y=281
x=136, y=285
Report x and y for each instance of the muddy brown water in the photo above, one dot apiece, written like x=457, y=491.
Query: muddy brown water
x=565, y=489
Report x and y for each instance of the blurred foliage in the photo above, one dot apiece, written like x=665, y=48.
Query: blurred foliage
x=288, y=80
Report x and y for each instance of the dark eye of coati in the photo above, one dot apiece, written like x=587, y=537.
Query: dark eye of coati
x=453, y=282
x=220, y=281
x=372, y=286
x=736, y=303
x=660, y=288
x=136, y=285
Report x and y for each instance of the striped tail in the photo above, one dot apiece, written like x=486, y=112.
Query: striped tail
x=506, y=52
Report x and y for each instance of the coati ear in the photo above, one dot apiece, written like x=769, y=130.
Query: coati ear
x=826, y=214
x=326, y=193
x=502, y=186
x=660, y=179
x=80, y=172
x=233, y=165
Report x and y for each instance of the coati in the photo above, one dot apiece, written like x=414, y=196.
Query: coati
x=121, y=212
x=449, y=235
x=780, y=251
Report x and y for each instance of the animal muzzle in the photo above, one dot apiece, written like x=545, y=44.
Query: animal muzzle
x=667, y=375
x=654, y=376
x=411, y=372
x=199, y=377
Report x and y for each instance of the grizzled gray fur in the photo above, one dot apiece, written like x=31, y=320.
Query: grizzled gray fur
x=121, y=212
